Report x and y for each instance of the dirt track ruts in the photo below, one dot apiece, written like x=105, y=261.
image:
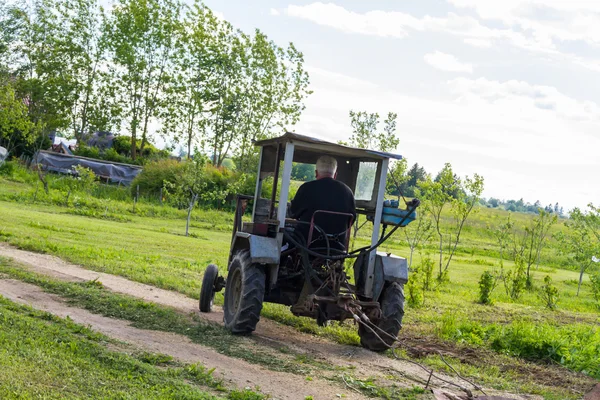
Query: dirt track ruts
x=269, y=333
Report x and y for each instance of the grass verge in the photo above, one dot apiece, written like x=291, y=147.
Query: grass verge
x=48, y=357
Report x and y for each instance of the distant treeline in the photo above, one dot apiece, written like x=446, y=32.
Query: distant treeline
x=522, y=206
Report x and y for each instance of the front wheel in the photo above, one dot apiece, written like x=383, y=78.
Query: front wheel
x=207, y=291
x=392, y=311
x=244, y=293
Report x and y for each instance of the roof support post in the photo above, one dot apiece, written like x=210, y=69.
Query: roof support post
x=285, y=186
x=259, y=179
x=376, y=226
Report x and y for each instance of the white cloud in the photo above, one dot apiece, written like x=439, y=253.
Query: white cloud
x=520, y=26
x=274, y=12
x=378, y=23
x=515, y=95
x=527, y=140
x=399, y=24
x=447, y=62
x=482, y=43
x=548, y=20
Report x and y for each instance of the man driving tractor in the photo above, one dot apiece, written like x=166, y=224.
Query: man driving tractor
x=324, y=194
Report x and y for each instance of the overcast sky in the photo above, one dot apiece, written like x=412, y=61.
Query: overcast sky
x=507, y=89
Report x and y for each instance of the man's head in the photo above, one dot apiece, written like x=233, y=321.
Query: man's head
x=326, y=167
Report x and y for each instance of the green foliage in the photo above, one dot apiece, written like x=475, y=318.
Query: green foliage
x=581, y=242
x=448, y=191
x=503, y=236
x=155, y=174
x=415, y=288
x=18, y=134
x=427, y=265
x=575, y=346
x=531, y=243
x=487, y=284
x=515, y=280
x=595, y=282
x=548, y=293
x=303, y=172
x=365, y=135
x=122, y=146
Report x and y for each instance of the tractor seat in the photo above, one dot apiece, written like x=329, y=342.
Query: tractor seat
x=338, y=241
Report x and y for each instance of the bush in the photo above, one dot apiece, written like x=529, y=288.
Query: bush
x=122, y=146
x=515, y=280
x=487, y=283
x=548, y=293
x=155, y=174
x=414, y=288
x=595, y=283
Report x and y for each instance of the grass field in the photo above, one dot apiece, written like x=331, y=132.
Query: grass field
x=52, y=358
x=148, y=246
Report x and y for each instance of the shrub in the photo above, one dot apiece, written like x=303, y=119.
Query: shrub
x=155, y=174
x=548, y=293
x=415, y=288
x=427, y=265
x=595, y=283
x=515, y=280
x=487, y=284
x=122, y=146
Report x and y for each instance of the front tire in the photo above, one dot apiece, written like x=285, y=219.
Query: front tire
x=392, y=311
x=244, y=293
x=207, y=291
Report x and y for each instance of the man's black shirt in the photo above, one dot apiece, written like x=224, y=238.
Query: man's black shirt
x=323, y=194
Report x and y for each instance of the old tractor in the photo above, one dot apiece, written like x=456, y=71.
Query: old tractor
x=270, y=261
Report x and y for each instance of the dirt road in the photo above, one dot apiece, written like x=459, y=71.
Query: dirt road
x=363, y=363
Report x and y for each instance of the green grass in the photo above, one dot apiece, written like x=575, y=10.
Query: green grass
x=44, y=356
x=148, y=246
x=92, y=296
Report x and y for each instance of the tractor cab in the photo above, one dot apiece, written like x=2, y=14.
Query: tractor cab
x=313, y=281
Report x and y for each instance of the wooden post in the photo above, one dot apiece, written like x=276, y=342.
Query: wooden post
x=137, y=193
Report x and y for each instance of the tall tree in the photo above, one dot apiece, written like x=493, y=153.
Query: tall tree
x=365, y=133
x=141, y=38
x=196, y=59
x=74, y=60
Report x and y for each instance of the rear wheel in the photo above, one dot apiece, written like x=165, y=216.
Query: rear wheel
x=207, y=291
x=244, y=293
x=392, y=311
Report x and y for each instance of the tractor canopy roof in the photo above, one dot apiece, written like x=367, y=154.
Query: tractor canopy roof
x=309, y=149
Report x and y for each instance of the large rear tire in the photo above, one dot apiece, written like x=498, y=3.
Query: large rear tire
x=207, y=291
x=392, y=311
x=244, y=293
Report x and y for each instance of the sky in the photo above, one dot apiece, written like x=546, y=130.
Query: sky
x=505, y=89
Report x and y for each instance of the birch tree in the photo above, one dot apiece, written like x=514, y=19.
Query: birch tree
x=141, y=37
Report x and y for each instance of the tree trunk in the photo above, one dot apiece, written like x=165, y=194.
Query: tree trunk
x=189, y=215
x=133, y=141
x=441, y=253
x=580, y=279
